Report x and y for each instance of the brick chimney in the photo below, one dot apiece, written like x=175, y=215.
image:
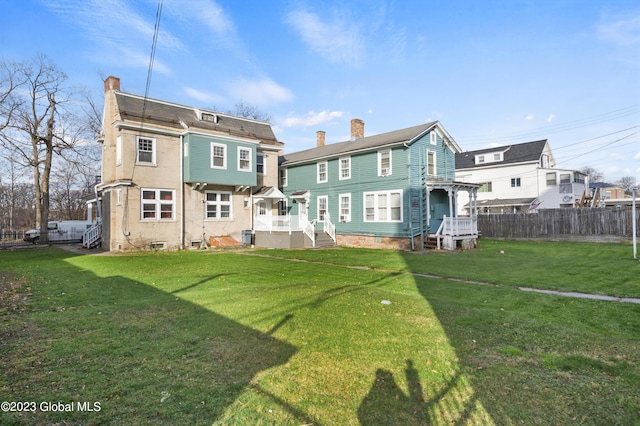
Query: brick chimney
x=111, y=83
x=320, y=137
x=357, y=129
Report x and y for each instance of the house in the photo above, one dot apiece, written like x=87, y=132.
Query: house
x=175, y=176
x=518, y=178
x=394, y=189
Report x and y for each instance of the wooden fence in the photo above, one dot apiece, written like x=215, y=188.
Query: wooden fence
x=550, y=223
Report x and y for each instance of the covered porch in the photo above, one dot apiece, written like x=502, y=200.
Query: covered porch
x=452, y=230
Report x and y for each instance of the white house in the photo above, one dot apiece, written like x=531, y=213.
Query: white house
x=519, y=177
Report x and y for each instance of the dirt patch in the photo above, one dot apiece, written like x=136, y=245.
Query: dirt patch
x=11, y=298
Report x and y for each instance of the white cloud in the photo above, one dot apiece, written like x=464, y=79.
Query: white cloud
x=637, y=156
x=312, y=118
x=204, y=97
x=259, y=92
x=530, y=117
x=622, y=32
x=338, y=40
x=551, y=118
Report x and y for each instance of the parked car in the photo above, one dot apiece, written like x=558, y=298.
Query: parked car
x=63, y=231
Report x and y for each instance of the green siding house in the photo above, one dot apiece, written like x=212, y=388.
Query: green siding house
x=394, y=189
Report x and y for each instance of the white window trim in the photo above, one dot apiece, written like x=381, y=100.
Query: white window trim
x=326, y=203
x=376, y=206
x=340, y=214
x=250, y=168
x=435, y=163
x=340, y=160
x=219, y=204
x=326, y=172
x=380, y=171
x=158, y=203
x=433, y=137
x=153, y=151
x=284, y=177
x=224, y=159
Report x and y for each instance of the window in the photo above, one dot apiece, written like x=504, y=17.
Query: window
x=497, y=157
x=145, y=150
x=244, y=159
x=345, y=168
x=383, y=206
x=486, y=187
x=186, y=149
x=283, y=177
x=118, y=150
x=384, y=163
x=218, y=156
x=260, y=163
x=480, y=159
x=433, y=138
x=431, y=163
x=565, y=177
x=322, y=172
x=322, y=207
x=544, y=161
x=157, y=204
x=218, y=205
x=551, y=179
x=515, y=182
x=345, y=207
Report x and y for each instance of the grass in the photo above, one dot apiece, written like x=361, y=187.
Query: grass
x=259, y=337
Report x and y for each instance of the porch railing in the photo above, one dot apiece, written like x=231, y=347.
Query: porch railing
x=92, y=235
x=329, y=227
x=286, y=223
x=457, y=227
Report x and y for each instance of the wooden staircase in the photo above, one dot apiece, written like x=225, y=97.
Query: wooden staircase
x=431, y=242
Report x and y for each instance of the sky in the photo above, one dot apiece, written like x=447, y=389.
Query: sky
x=492, y=72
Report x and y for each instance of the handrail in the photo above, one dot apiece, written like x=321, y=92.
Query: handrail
x=309, y=229
x=92, y=235
x=329, y=227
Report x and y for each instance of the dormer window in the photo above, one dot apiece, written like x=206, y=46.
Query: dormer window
x=490, y=157
x=209, y=117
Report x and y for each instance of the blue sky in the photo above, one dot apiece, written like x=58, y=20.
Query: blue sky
x=493, y=72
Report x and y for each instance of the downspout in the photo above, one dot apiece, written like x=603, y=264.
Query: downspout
x=182, y=203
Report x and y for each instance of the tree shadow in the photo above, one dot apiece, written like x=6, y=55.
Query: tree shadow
x=142, y=353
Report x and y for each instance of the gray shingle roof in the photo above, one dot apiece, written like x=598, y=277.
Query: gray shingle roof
x=178, y=116
x=517, y=153
x=361, y=144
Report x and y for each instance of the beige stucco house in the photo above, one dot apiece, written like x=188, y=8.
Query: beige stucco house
x=175, y=176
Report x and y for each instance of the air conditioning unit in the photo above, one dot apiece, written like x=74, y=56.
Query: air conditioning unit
x=344, y=218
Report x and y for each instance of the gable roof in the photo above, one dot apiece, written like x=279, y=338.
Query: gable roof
x=512, y=154
x=367, y=143
x=182, y=118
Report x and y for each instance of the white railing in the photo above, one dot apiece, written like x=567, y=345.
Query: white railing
x=287, y=223
x=459, y=226
x=92, y=235
x=329, y=227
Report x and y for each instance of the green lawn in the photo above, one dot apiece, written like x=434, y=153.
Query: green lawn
x=302, y=337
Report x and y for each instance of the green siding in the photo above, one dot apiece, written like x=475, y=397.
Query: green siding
x=407, y=166
x=196, y=154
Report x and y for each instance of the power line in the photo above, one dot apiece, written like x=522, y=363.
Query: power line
x=571, y=125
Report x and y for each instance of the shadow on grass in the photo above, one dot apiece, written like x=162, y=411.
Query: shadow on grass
x=146, y=356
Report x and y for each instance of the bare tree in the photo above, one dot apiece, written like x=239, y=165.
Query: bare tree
x=593, y=174
x=242, y=109
x=628, y=183
x=41, y=125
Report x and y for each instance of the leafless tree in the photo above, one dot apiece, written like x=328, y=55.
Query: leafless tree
x=593, y=174
x=42, y=124
x=628, y=183
x=242, y=109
